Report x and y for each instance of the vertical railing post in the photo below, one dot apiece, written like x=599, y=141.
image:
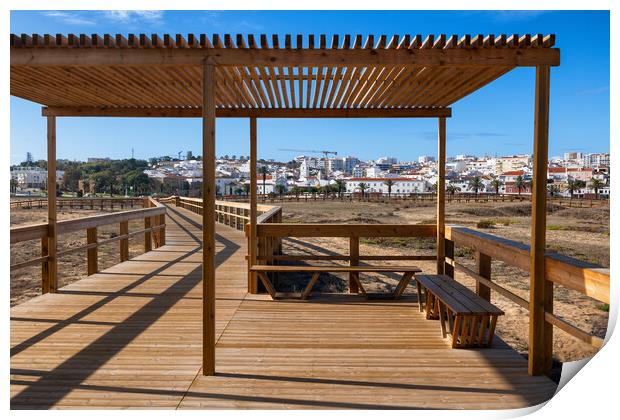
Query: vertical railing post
x=253, y=242
x=148, y=246
x=354, y=253
x=448, y=268
x=124, y=243
x=92, y=254
x=483, y=268
x=45, y=271
x=541, y=290
x=162, y=230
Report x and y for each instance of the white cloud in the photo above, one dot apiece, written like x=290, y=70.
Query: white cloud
x=126, y=16
x=69, y=18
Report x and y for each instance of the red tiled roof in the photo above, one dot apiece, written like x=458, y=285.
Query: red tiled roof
x=514, y=173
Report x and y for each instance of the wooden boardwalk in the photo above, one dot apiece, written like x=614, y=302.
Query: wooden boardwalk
x=130, y=337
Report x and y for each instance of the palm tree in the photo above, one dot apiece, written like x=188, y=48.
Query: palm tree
x=263, y=171
x=573, y=185
x=553, y=189
x=280, y=189
x=596, y=184
x=246, y=189
x=496, y=183
x=341, y=185
x=435, y=186
x=389, y=183
x=475, y=184
x=363, y=187
x=451, y=188
x=520, y=183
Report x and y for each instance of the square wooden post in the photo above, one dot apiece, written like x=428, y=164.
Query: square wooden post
x=124, y=243
x=252, y=281
x=354, y=253
x=541, y=290
x=208, y=219
x=92, y=254
x=50, y=280
x=483, y=268
x=148, y=245
x=441, y=195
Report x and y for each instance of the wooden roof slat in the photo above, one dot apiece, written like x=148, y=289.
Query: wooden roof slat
x=367, y=88
x=275, y=42
x=370, y=41
x=416, y=42
x=311, y=41
x=205, y=42
x=245, y=87
x=385, y=87
x=513, y=41
x=357, y=43
x=402, y=83
x=428, y=42
x=85, y=41
x=549, y=41
x=300, y=41
x=217, y=41
x=344, y=82
x=346, y=42
x=440, y=42
x=323, y=42
x=405, y=42
x=291, y=80
x=252, y=42
x=393, y=42
x=351, y=81
x=50, y=41
x=120, y=40
x=383, y=80
x=381, y=42
x=229, y=42
x=267, y=82
x=525, y=41
x=451, y=42
x=309, y=86
x=488, y=41
x=193, y=41
x=287, y=41
x=334, y=42
x=300, y=80
x=489, y=76
x=360, y=85
x=263, y=41
x=500, y=41
x=74, y=41
x=317, y=86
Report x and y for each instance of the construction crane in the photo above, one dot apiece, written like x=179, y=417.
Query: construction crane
x=325, y=153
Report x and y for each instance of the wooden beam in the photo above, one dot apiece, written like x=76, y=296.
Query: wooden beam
x=253, y=286
x=441, y=195
x=50, y=284
x=92, y=254
x=283, y=57
x=354, y=252
x=483, y=268
x=248, y=112
x=208, y=219
x=541, y=289
x=338, y=230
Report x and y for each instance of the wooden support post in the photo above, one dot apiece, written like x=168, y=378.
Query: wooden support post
x=50, y=284
x=162, y=231
x=541, y=290
x=208, y=219
x=124, y=243
x=448, y=268
x=354, y=253
x=252, y=279
x=92, y=254
x=45, y=271
x=147, y=235
x=441, y=194
x=483, y=268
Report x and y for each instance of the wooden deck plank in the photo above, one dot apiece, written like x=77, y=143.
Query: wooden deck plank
x=130, y=337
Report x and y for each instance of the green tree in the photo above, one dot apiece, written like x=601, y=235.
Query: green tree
x=362, y=187
x=263, y=171
x=341, y=186
x=14, y=185
x=596, y=184
x=475, y=184
x=553, y=189
x=451, y=189
x=389, y=183
x=520, y=183
x=280, y=189
x=496, y=183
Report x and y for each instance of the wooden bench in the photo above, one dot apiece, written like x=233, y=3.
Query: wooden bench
x=407, y=271
x=470, y=319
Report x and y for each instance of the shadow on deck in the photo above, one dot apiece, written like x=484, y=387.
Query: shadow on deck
x=130, y=336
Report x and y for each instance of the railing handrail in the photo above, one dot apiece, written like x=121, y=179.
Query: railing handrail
x=335, y=230
x=588, y=279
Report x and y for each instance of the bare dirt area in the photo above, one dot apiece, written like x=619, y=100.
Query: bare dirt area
x=581, y=233
x=26, y=282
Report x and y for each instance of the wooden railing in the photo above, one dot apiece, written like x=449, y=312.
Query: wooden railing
x=228, y=213
x=269, y=233
x=95, y=203
x=154, y=233
x=571, y=273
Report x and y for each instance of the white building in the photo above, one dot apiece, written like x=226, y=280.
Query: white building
x=33, y=177
x=378, y=185
x=424, y=160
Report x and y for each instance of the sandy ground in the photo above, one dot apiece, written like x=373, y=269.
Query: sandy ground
x=26, y=283
x=578, y=232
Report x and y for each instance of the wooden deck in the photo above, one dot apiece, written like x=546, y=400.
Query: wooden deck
x=130, y=337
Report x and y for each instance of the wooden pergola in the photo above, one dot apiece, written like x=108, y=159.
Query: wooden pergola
x=273, y=77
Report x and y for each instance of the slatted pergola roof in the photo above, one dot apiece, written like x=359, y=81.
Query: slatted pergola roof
x=302, y=76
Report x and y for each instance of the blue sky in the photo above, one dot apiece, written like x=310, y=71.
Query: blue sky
x=495, y=120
